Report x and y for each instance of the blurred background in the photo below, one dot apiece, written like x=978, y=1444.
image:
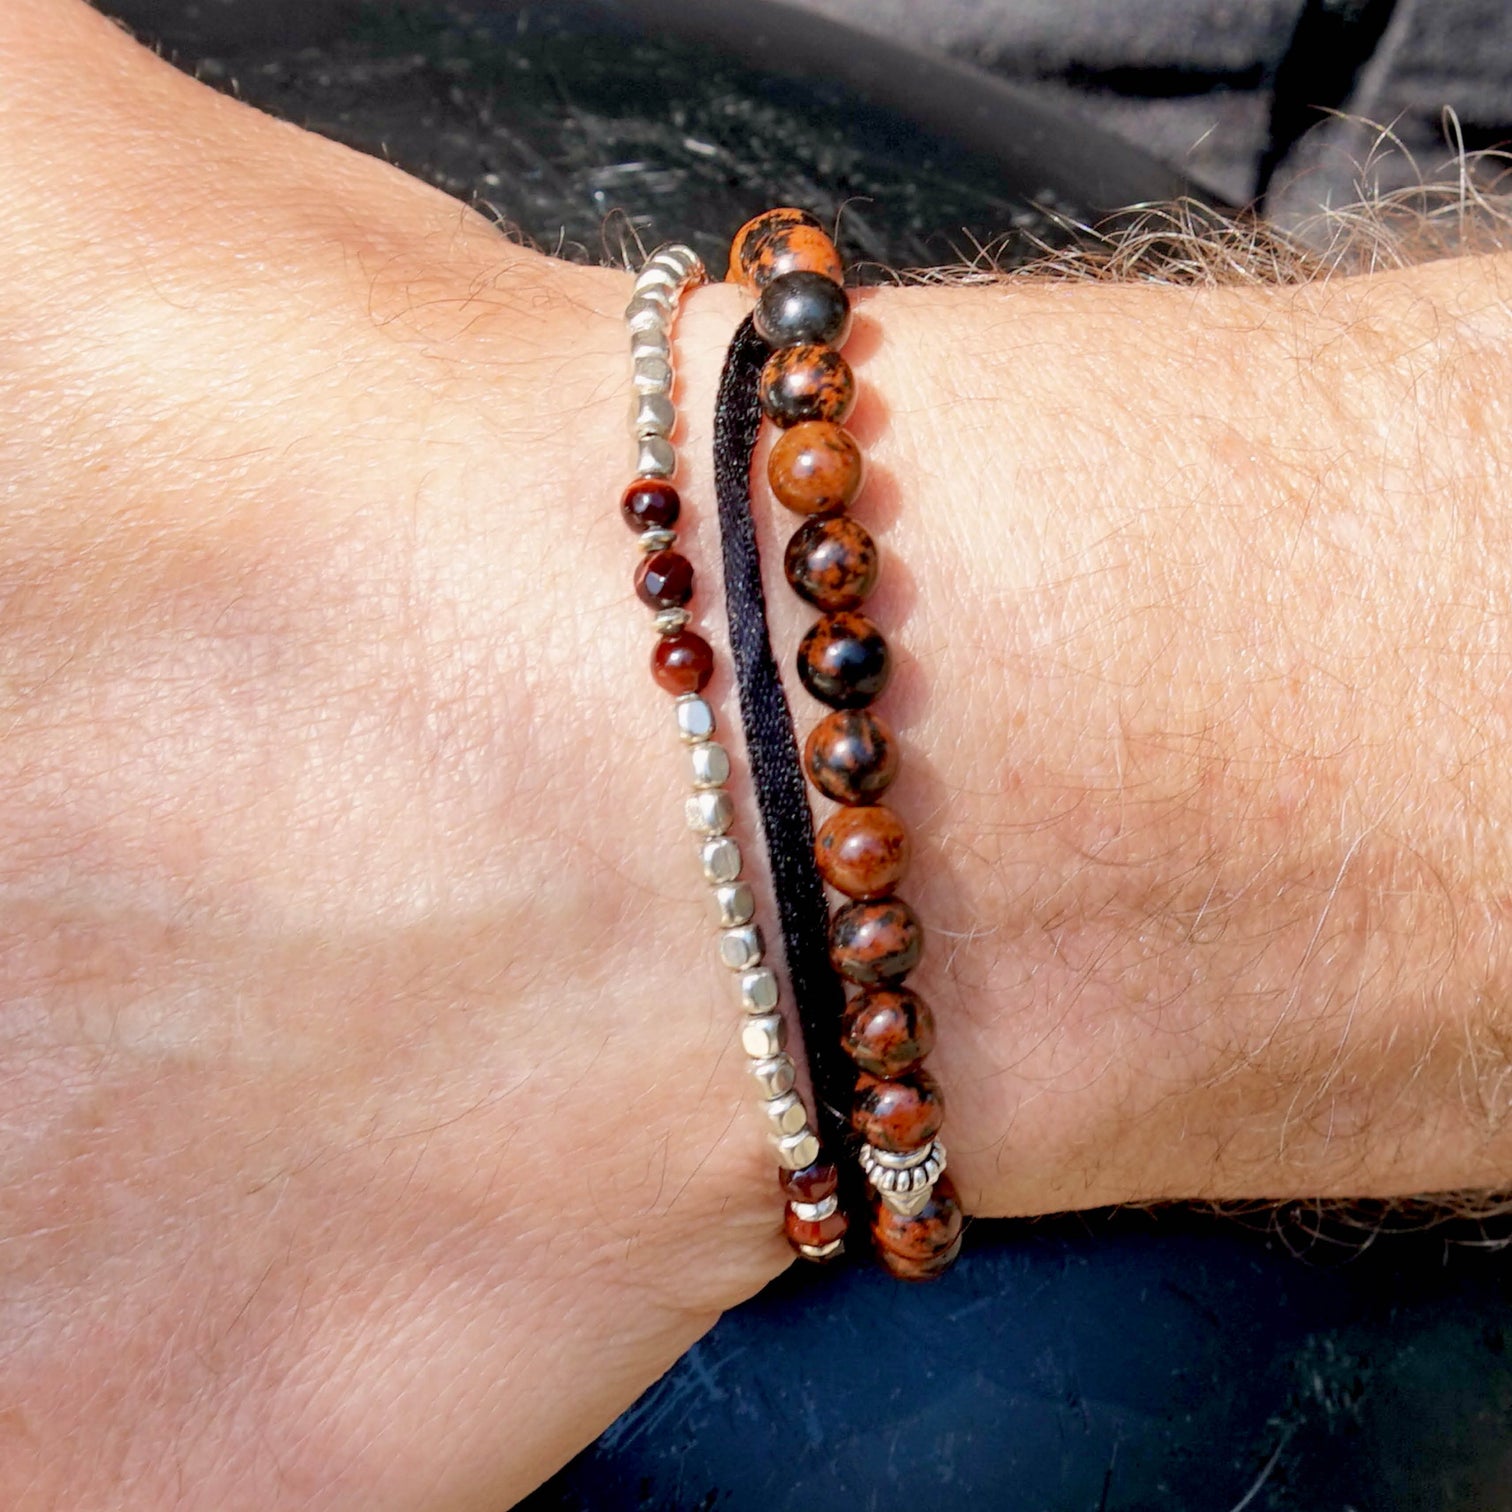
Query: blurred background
x=1291, y=1359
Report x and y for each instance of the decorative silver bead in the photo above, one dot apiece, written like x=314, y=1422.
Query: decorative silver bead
x=711, y=812
x=736, y=904
x=786, y=1114
x=651, y=415
x=720, y=859
x=919, y=1175
x=761, y=1038
x=651, y=375
x=908, y=1204
x=658, y=538
x=821, y=1251
x=656, y=343
x=815, y=1212
x=670, y=621
x=711, y=764
x=740, y=949
x=759, y=990
x=775, y=1074
x=898, y=1160
x=655, y=457
x=645, y=313
x=695, y=719
x=795, y=1151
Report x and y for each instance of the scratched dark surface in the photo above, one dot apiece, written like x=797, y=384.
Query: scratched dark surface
x=1101, y=1363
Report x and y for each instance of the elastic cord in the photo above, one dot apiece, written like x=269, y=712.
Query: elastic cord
x=788, y=826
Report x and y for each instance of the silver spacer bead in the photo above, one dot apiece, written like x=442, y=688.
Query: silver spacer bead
x=655, y=457
x=736, y=904
x=762, y=1038
x=711, y=812
x=652, y=415
x=710, y=762
x=670, y=621
x=775, y=1074
x=695, y=719
x=786, y=1113
x=795, y=1151
x=720, y=859
x=908, y=1204
x=920, y=1174
x=651, y=375
x=821, y=1251
x=758, y=990
x=814, y=1212
x=658, y=538
x=741, y=949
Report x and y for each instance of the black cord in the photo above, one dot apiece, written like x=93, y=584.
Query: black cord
x=786, y=821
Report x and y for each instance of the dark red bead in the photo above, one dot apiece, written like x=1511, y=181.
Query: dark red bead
x=812, y=1184
x=682, y=663
x=898, y=1113
x=927, y=1235
x=664, y=580
x=843, y=660
x=874, y=942
x=650, y=504
x=863, y=852
x=887, y=1030
x=815, y=1230
x=831, y=561
x=851, y=756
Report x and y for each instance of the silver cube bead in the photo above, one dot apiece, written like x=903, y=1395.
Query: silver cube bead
x=695, y=719
x=651, y=375
x=655, y=457
x=644, y=313
x=711, y=812
x=658, y=277
x=653, y=343
x=721, y=861
x=786, y=1113
x=741, y=948
x=762, y=1038
x=795, y=1151
x=679, y=256
x=711, y=764
x=775, y=1074
x=759, y=990
x=735, y=902
x=652, y=415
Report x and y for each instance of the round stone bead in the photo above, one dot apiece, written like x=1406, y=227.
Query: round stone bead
x=898, y=1113
x=682, y=663
x=862, y=852
x=781, y=241
x=918, y=1270
x=812, y=1184
x=650, y=504
x=815, y=468
x=802, y=309
x=876, y=942
x=935, y=1229
x=831, y=561
x=814, y=1230
x=807, y=383
x=664, y=580
x=887, y=1031
x=851, y=756
x=843, y=660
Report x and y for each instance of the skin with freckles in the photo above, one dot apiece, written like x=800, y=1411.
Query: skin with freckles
x=375, y=1128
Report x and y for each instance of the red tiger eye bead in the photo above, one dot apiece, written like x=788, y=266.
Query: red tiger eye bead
x=872, y=942
x=815, y=1230
x=812, y=1184
x=887, y=1031
x=784, y=240
x=862, y=852
x=682, y=663
x=932, y=1231
x=650, y=504
x=815, y=467
x=898, y=1113
x=664, y=580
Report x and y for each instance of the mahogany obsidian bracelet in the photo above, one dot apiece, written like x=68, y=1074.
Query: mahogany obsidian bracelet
x=682, y=663
x=815, y=469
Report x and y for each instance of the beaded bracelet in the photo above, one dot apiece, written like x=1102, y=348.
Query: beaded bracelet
x=862, y=850
x=682, y=662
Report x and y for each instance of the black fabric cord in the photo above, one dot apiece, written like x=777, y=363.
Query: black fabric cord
x=786, y=821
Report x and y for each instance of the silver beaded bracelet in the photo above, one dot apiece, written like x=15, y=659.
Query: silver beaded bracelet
x=682, y=663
